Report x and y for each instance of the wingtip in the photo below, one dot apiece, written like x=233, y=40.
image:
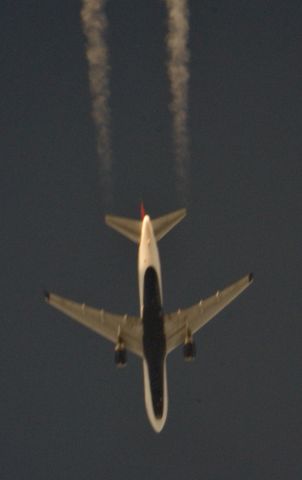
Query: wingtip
x=251, y=277
x=46, y=295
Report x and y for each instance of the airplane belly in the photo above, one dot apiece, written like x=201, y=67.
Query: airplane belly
x=154, y=340
x=154, y=346
x=148, y=256
x=156, y=421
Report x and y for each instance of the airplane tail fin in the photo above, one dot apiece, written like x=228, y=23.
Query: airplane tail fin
x=132, y=228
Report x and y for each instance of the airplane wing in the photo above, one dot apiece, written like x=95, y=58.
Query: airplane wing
x=104, y=323
x=198, y=315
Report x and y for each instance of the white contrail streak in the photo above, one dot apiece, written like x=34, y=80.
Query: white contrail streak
x=95, y=23
x=178, y=72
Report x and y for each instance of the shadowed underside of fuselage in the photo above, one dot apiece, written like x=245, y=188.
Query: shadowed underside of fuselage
x=154, y=342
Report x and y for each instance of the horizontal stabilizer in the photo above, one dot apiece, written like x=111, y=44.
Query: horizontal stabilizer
x=163, y=225
x=132, y=228
x=126, y=226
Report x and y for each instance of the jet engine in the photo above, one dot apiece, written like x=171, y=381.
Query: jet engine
x=120, y=354
x=189, y=349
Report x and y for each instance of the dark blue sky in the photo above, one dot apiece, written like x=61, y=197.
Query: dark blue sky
x=66, y=413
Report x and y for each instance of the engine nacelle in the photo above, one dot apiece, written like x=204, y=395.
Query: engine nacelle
x=189, y=350
x=120, y=354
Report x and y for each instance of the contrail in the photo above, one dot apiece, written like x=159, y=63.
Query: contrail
x=95, y=23
x=178, y=72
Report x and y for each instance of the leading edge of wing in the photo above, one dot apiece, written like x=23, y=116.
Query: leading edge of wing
x=195, y=317
x=108, y=325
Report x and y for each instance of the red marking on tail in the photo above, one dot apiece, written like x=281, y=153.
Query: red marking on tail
x=143, y=213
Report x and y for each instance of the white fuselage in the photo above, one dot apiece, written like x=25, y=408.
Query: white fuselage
x=148, y=257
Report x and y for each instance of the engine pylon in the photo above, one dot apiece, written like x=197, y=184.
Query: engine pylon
x=189, y=348
x=120, y=355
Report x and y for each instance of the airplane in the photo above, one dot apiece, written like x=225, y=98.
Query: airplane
x=153, y=334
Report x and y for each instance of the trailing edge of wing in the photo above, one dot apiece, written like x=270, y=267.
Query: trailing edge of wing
x=198, y=315
x=107, y=324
